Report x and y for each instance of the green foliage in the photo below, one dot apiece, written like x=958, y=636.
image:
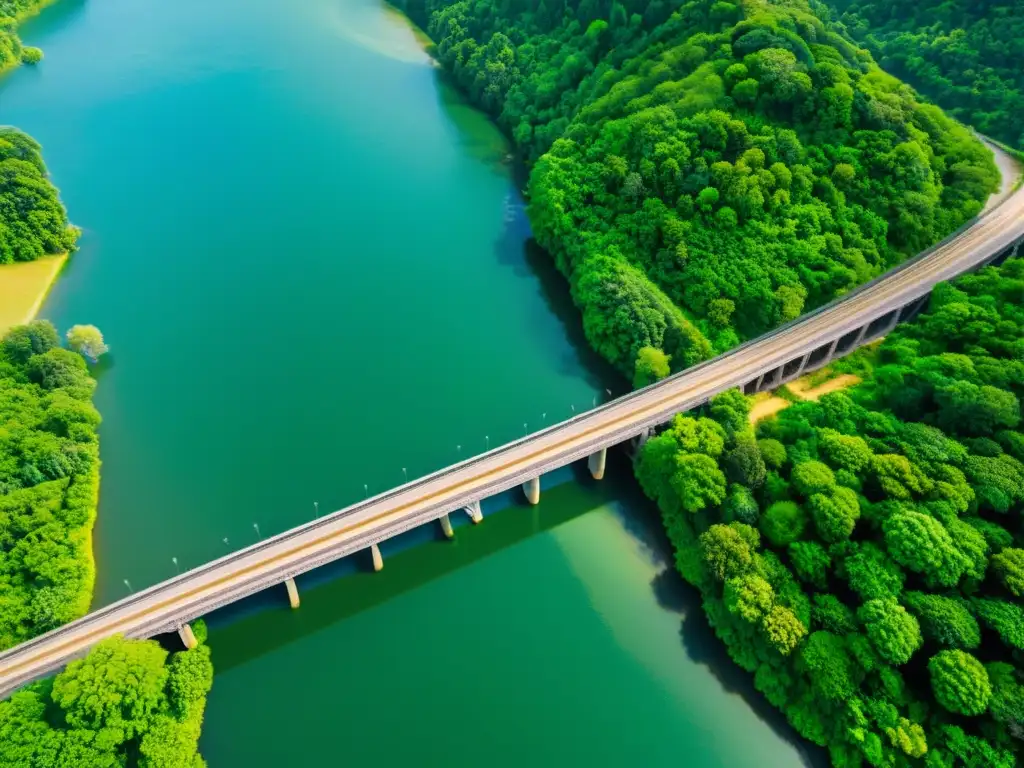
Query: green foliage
x=1008, y=565
x=49, y=478
x=783, y=522
x=893, y=632
x=960, y=682
x=944, y=620
x=964, y=54
x=651, y=365
x=33, y=221
x=703, y=171
x=883, y=529
x=121, y=701
x=30, y=55
x=87, y=340
x=921, y=544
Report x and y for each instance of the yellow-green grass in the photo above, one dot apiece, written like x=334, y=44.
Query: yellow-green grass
x=23, y=286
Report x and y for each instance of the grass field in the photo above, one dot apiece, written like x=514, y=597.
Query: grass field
x=23, y=286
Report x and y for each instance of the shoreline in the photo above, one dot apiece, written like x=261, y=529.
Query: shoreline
x=24, y=287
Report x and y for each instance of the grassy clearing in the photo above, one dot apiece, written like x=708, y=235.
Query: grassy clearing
x=23, y=286
x=808, y=388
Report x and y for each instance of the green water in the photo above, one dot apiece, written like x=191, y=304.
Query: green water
x=310, y=260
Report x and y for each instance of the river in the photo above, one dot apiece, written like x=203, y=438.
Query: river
x=311, y=262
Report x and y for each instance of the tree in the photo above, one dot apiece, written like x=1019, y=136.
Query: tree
x=118, y=686
x=749, y=596
x=87, y=340
x=1008, y=565
x=944, y=620
x=697, y=481
x=728, y=550
x=812, y=477
x=23, y=341
x=960, y=682
x=773, y=452
x=651, y=365
x=921, y=544
x=783, y=522
x=744, y=463
x=893, y=632
x=57, y=369
x=835, y=513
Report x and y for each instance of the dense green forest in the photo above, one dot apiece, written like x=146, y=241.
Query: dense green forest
x=863, y=556
x=965, y=54
x=33, y=221
x=703, y=171
x=126, y=703
x=49, y=481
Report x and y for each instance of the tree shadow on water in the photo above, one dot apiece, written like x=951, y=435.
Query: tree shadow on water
x=703, y=647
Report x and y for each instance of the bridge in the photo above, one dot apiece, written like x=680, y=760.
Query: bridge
x=792, y=350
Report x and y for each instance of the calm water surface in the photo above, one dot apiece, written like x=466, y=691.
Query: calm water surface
x=310, y=261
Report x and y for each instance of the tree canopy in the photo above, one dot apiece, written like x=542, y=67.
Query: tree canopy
x=123, y=704
x=872, y=581
x=965, y=54
x=703, y=171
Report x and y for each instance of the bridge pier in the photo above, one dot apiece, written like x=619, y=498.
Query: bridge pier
x=293, y=592
x=532, y=490
x=474, y=512
x=596, y=462
x=188, y=638
x=378, y=559
x=446, y=526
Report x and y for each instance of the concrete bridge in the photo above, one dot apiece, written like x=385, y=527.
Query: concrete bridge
x=801, y=346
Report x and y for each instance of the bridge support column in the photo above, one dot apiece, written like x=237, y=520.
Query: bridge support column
x=597, y=462
x=188, y=639
x=446, y=526
x=378, y=560
x=475, y=513
x=532, y=490
x=293, y=593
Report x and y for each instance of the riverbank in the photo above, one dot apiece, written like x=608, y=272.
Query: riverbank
x=24, y=287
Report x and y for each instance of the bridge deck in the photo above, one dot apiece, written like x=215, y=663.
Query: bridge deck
x=165, y=606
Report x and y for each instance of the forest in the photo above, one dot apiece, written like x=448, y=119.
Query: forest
x=126, y=698
x=863, y=556
x=49, y=483
x=965, y=55
x=12, y=52
x=126, y=703
x=33, y=221
x=704, y=171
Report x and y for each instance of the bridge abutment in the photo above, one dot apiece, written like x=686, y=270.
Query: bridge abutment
x=596, y=462
x=446, y=525
x=378, y=559
x=532, y=490
x=293, y=592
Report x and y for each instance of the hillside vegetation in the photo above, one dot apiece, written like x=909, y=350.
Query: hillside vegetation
x=863, y=556
x=967, y=55
x=704, y=171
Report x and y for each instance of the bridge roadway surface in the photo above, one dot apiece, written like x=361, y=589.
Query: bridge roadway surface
x=165, y=606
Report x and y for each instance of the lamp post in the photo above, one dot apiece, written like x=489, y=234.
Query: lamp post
x=256, y=527
x=177, y=570
x=129, y=585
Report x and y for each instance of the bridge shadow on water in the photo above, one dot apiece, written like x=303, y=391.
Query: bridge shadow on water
x=263, y=623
